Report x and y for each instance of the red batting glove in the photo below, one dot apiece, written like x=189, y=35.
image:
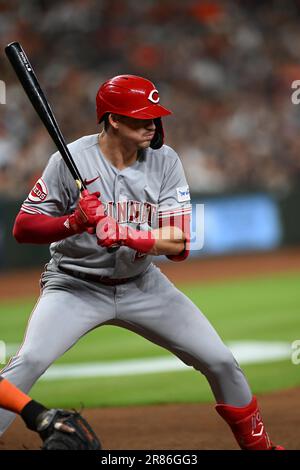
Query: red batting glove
x=110, y=233
x=88, y=212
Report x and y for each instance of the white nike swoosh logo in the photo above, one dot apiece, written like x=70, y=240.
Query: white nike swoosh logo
x=260, y=432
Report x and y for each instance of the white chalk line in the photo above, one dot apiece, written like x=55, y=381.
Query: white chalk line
x=246, y=352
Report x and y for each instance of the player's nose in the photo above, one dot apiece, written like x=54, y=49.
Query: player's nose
x=150, y=126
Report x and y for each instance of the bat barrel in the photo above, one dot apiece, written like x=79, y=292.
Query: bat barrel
x=29, y=81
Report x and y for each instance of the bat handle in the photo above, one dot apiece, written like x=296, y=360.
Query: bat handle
x=79, y=185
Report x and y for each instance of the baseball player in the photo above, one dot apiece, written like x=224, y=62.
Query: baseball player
x=59, y=429
x=108, y=277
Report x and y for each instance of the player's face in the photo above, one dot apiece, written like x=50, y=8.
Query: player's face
x=138, y=131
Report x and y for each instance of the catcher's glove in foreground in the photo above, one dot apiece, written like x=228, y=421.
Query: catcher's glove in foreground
x=66, y=430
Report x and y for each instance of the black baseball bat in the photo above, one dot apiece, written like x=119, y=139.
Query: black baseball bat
x=29, y=81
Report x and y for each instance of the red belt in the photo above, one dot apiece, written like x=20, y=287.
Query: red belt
x=107, y=281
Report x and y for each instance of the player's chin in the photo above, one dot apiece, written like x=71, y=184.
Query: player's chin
x=144, y=144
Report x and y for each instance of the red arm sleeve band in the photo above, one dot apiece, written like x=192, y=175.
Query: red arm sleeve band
x=182, y=222
x=40, y=228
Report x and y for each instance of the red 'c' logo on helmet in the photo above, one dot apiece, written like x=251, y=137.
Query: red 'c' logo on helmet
x=152, y=98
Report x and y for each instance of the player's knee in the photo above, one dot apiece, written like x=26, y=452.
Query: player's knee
x=224, y=364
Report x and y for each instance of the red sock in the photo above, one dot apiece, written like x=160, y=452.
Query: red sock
x=11, y=398
x=247, y=426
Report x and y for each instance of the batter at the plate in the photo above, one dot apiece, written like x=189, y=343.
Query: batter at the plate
x=101, y=272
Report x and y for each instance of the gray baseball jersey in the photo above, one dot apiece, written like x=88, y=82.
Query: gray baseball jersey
x=153, y=188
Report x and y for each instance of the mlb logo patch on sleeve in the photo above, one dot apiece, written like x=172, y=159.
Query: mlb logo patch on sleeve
x=183, y=194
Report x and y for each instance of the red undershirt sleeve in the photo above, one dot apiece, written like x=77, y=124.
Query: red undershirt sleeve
x=40, y=228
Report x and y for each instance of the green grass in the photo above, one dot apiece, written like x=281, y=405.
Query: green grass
x=261, y=309
x=255, y=309
x=176, y=387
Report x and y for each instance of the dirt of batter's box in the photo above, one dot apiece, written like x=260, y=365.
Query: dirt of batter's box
x=181, y=426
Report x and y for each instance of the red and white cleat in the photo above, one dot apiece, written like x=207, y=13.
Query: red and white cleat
x=247, y=426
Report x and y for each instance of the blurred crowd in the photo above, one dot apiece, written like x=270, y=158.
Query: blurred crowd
x=224, y=68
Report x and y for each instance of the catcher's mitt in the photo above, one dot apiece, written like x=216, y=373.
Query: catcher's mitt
x=66, y=430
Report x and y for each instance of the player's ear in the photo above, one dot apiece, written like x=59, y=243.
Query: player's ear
x=113, y=120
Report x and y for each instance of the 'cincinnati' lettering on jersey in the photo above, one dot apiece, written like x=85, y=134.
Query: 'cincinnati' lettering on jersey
x=135, y=212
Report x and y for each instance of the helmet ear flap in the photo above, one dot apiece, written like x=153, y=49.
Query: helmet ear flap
x=158, y=138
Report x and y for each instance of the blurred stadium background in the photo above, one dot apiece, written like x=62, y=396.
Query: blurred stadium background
x=225, y=69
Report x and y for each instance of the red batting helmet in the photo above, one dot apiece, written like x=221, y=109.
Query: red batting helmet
x=135, y=97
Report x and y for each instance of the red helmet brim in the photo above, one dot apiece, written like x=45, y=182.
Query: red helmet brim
x=150, y=112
